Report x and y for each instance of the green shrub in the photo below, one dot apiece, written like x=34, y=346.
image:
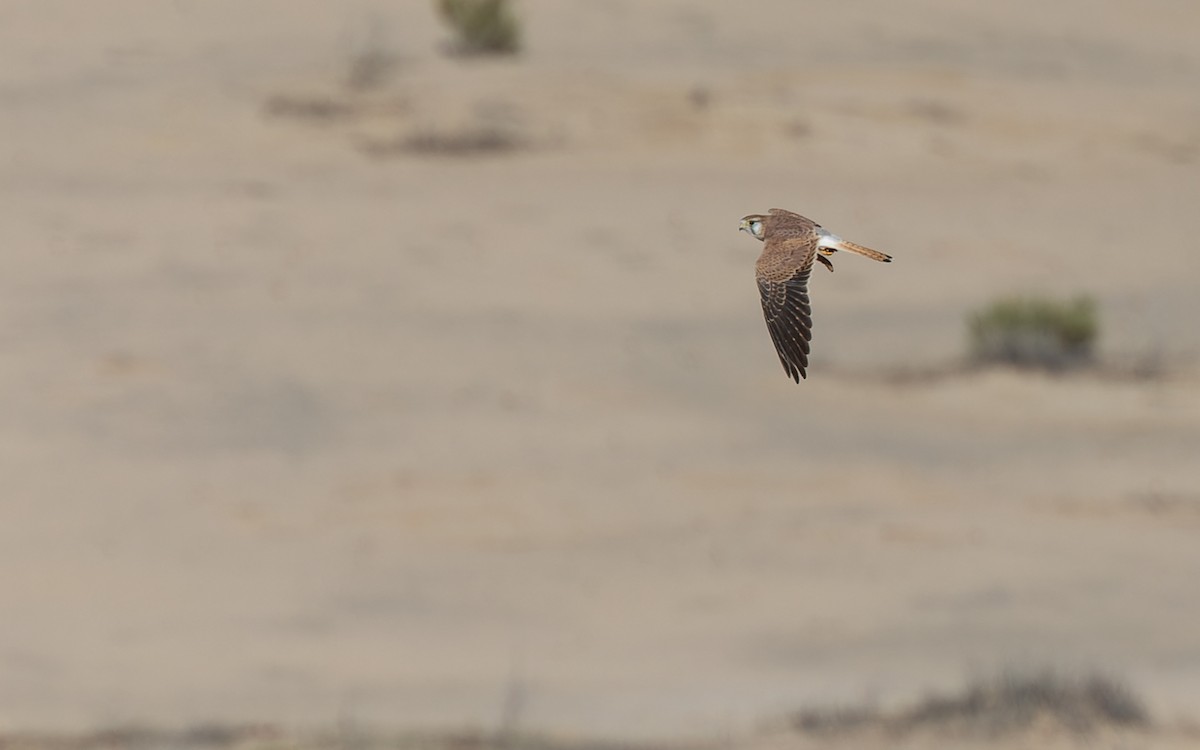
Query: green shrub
x=1034, y=332
x=483, y=26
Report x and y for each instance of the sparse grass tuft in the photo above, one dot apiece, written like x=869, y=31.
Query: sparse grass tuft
x=370, y=68
x=1034, y=332
x=372, y=60
x=834, y=720
x=467, y=142
x=319, y=108
x=461, y=143
x=482, y=26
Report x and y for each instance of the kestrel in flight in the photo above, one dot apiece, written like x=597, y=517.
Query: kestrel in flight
x=792, y=242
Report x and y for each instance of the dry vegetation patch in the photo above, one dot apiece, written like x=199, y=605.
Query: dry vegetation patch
x=1005, y=704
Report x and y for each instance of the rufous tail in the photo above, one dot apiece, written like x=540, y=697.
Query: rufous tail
x=872, y=254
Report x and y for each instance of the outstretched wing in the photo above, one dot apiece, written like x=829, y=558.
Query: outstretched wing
x=783, y=271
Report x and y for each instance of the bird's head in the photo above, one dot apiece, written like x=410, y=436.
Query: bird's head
x=755, y=224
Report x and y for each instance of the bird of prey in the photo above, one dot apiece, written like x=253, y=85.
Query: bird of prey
x=792, y=243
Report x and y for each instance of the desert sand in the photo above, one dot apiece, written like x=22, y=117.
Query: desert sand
x=348, y=380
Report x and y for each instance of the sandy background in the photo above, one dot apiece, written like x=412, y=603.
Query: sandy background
x=346, y=380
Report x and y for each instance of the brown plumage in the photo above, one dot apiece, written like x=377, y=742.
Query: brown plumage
x=792, y=243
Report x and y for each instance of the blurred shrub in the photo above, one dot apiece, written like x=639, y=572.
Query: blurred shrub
x=483, y=26
x=1034, y=332
x=1014, y=701
x=1004, y=704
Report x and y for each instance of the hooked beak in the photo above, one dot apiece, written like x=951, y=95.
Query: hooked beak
x=744, y=226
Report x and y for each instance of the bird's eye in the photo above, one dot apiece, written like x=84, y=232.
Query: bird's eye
x=756, y=227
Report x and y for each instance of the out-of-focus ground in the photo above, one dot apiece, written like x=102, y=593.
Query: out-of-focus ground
x=348, y=381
